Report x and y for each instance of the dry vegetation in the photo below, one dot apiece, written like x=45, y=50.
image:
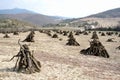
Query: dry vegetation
x=104, y=22
x=60, y=61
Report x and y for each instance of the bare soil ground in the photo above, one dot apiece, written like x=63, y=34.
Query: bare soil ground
x=59, y=61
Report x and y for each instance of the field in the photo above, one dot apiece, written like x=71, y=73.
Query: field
x=104, y=22
x=59, y=61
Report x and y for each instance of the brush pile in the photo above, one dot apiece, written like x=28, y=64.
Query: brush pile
x=55, y=36
x=85, y=33
x=94, y=36
x=110, y=40
x=15, y=33
x=65, y=33
x=6, y=36
x=102, y=34
x=118, y=48
x=26, y=62
x=30, y=37
x=72, y=41
x=119, y=35
x=96, y=48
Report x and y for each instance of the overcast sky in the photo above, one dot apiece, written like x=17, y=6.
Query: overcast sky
x=67, y=8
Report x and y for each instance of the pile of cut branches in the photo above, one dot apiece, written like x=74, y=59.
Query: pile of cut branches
x=72, y=41
x=26, y=62
x=96, y=49
x=30, y=37
x=6, y=36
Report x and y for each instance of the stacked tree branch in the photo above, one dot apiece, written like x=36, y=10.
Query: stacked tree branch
x=102, y=34
x=15, y=33
x=96, y=48
x=6, y=36
x=119, y=35
x=70, y=35
x=65, y=33
x=94, y=36
x=55, y=36
x=30, y=37
x=118, y=47
x=85, y=33
x=111, y=40
x=72, y=41
x=26, y=62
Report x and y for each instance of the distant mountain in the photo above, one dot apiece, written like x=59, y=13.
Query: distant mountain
x=16, y=11
x=29, y=16
x=113, y=13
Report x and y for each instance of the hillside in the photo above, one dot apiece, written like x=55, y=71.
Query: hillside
x=28, y=16
x=113, y=13
x=109, y=18
x=13, y=24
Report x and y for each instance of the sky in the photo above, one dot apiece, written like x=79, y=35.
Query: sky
x=65, y=8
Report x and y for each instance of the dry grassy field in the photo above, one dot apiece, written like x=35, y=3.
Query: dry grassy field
x=59, y=61
x=104, y=22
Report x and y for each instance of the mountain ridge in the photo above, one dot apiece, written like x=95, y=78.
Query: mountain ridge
x=29, y=16
x=16, y=11
x=112, y=13
x=109, y=18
